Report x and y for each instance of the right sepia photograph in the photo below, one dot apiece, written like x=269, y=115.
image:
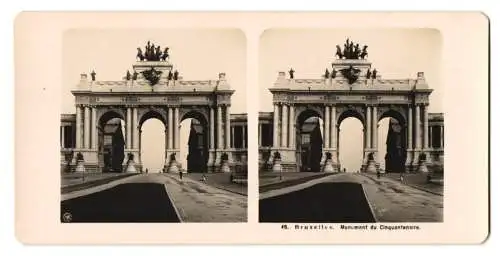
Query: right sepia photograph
x=351, y=126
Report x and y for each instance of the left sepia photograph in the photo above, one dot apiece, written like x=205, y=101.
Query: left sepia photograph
x=154, y=126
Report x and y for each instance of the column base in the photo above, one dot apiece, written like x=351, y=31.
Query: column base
x=131, y=168
x=90, y=160
x=371, y=167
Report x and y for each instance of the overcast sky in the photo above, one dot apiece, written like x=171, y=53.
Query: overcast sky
x=395, y=53
x=197, y=54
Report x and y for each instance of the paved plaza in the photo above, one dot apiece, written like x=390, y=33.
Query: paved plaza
x=154, y=198
x=388, y=201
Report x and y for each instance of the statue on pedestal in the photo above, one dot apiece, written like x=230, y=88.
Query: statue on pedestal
x=173, y=164
x=176, y=75
x=134, y=76
x=170, y=75
x=130, y=164
x=328, y=167
x=80, y=167
x=334, y=73
x=368, y=74
x=93, y=75
x=374, y=73
x=327, y=74
x=224, y=159
x=128, y=76
x=277, y=162
x=291, y=72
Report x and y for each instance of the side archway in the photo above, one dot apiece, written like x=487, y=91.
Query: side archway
x=111, y=140
x=392, y=134
x=309, y=139
x=194, y=136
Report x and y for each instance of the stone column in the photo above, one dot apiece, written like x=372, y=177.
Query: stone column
x=441, y=128
x=228, y=125
x=368, y=127
x=135, y=129
x=326, y=130
x=129, y=125
x=333, y=127
x=94, y=128
x=260, y=134
x=284, y=126
x=430, y=137
x=86, y=121
x=418, y=138
x=62, y=136
x=232, y=137
x=244, y=136
x=409, y=139
x=275, y=125
x=426, y=128
x=78, y=133
x=170, y=128
x=291, y=127
x=375, y=129
x=219, y=127
x=409, y=142
x=212, y=129
x=176, y=127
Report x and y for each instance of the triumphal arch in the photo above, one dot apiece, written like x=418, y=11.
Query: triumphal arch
x=153, y=89
x=350, y=87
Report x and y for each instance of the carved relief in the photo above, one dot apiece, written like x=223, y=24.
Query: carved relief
x=101, y=111
x=344, y=111
x=152, y=111
x=300, y=108
x=197, y=112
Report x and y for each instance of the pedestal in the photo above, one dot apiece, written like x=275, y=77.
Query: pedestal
x=371, y=166
x=130, y=167
x=172, y=167
x=224, y=167
x=80, y=167
x=328, y=167
x=277, y=165
x=422, y=166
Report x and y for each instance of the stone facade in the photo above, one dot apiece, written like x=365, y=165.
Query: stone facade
x=136, y=100
x=333, y=98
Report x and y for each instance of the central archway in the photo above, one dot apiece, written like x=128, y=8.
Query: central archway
x=194, y=142
x=309, y=141
x=152, y=142
x=351, y=142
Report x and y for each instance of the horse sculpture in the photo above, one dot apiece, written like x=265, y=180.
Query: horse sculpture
x=364, y=52
x=339, y=52
x=165, y=55
x=140, y=55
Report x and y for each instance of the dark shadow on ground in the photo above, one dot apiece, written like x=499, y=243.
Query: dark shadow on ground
x=131, y=202
x=321, y=203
